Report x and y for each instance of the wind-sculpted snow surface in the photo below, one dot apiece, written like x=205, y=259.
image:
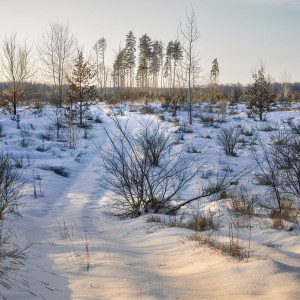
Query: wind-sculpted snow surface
x=81, y=249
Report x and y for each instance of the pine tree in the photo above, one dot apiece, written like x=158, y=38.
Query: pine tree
x=168, y=64
x=80, y=88
x=214, y=74
x=261, y=95
x=155, y=63
x=130, y=50
x=119, y=69
x=100, y=68
x=161, y=62
x=144, y=61
x=177, y=55
x=174, y=54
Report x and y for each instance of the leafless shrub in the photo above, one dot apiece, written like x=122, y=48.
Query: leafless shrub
x=185, y=128
x=73, y=136
x=228, y=138
x=242, y=202
x=87, y=258
x=162, y=118
x=12, y=257
x=267, y=127
x=58, y=122
x=37, y=185
x=295, y=127
x=79, y=253
x=98, y=119
x=192, y=149
x=20, y=162
x=223, y=195
x=235, y=248
x=262, y=179
x=240, y=214
x=10, y=185
x=2, y=132
x=282, y=137
x=220, y=119
x=42, y=147
x=25, y=131
x=288, y=212
x=24, y=142
x=59, y=170
x=118, y=109
x=278, y=223
x=12, y=276
x=143, y=184
x=146, y=109
x=268, y=176
x=63, y=230
x=79, y=156
x=153, y=144
x=286, y=155
x=279, y=169
x=47, y=135
x=202, y=221
x=141, y=170
x=206, y=119
x=206, y=136
x=175, y=221
x=38, y=109
x=247, y=131
x=211, y=119
x=87, y=127
x=242, y=141
x=153, y=219
x=210, y=240
x=206, y=174
x=232, y=111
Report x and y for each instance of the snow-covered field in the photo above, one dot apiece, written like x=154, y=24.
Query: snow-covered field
x=81, y=251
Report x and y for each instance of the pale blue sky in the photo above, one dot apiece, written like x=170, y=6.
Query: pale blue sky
x=240, y=33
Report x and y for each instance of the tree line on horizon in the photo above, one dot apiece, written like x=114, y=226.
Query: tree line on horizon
x=144, y=69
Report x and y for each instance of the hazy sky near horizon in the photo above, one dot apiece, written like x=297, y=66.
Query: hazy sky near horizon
x=240, y=33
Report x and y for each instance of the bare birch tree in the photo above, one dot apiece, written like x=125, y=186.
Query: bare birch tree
x=56, y=52
x=189, y=36
x=99, y=60
x=16, y=69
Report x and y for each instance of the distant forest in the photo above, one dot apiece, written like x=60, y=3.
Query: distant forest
x=142, y=70
x=41, y=93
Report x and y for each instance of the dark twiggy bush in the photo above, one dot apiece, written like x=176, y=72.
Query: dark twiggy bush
x=228, y=138
x=141, y=171
x=11, y=254
x=145, y=174
x=10, y=185
x=279, y=170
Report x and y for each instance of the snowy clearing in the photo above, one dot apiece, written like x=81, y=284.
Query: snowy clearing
x=81, y=251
